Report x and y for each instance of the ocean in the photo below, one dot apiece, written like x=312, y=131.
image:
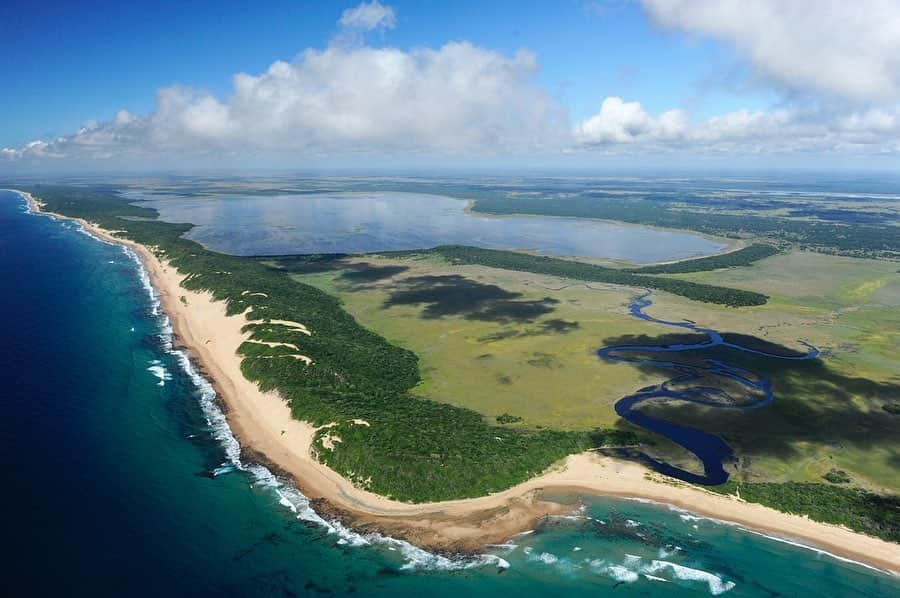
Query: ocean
x=123, y=478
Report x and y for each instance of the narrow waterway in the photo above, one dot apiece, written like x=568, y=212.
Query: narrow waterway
x=691, y=383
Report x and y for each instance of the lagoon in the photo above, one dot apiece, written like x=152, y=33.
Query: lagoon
x=382, y=221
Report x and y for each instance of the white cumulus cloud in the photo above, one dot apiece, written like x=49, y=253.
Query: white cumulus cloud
x=848, y=48
x=624, y=122
x=342, y=99
x=625, y=125
x=368, y=16
x=463, y=100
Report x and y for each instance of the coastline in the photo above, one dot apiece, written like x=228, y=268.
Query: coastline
x=263, y=423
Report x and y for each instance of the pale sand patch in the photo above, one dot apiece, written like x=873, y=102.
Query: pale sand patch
x=271, y=344
x=263, y=422
x=249, y=294
x=296, y=325
x=303, y=358
x=308, y=360
x=328, y=440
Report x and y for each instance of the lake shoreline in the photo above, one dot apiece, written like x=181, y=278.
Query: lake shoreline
x=365, y=222
x=263, y=423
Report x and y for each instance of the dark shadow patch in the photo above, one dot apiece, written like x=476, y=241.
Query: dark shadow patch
x=309, y=264
x=354, y=272
x=544, y=360
x=758, y=344
x=518, y=311
x=549, y=327
x=366, y=273
x=557, y=326
x=662, y=340
x=812, y=402
x=506, y=418
x=503, y=379
x=498, y=336
x=455, y=295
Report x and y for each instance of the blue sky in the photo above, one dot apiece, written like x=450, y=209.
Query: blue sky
x=88, y=60
x=68, y=65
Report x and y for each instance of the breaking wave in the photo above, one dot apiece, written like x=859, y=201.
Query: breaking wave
x=288, y=495
x=632, y=569
x=159, y=370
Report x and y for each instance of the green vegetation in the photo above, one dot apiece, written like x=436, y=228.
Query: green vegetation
x=732, y=259
x=523, y=262
x=873, y=514
x=495, y=341
x=892, y=408
x=413, y=448
x=854, y=239
x=506, y=418
x=837, y=476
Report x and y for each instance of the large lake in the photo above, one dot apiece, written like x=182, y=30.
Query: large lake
x=365, y=222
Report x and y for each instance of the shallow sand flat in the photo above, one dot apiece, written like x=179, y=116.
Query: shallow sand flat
x=263, y=423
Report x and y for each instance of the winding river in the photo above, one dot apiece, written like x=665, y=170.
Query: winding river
x=689, y=379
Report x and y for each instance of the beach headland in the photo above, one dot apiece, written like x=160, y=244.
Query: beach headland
x=264, y=425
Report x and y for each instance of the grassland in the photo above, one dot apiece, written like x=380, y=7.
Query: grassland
x=829, y=413
x=578, y=270
x=543, y=369
x=845, y=305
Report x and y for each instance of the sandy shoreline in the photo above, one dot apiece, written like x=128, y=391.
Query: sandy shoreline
x=263, y=423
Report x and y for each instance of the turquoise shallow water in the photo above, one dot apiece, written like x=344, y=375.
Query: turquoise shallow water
x=108, y=443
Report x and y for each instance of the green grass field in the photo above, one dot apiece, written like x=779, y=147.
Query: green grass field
x=845, y=305
x=541, y=365
x=544, y=370
x=825, y=416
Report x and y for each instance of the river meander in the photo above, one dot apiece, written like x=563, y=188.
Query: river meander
x=697, y=381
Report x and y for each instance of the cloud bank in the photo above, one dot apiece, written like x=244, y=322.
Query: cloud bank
x=843, y=47
x=342, y=99
x=463, y=100
x=621, y=125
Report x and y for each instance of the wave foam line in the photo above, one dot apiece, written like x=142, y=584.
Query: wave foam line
x=289, y=496
x=689, y=516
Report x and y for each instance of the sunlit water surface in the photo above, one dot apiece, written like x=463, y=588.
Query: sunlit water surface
x=365, y=222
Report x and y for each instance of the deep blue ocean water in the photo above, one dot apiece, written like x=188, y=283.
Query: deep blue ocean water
x=107, y=444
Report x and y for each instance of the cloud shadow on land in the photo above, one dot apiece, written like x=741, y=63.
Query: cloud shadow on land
x=813, y=402
x=558, y=326
x=455, y=295
x=366, y=273
x=552, y=326
x=357, y=273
